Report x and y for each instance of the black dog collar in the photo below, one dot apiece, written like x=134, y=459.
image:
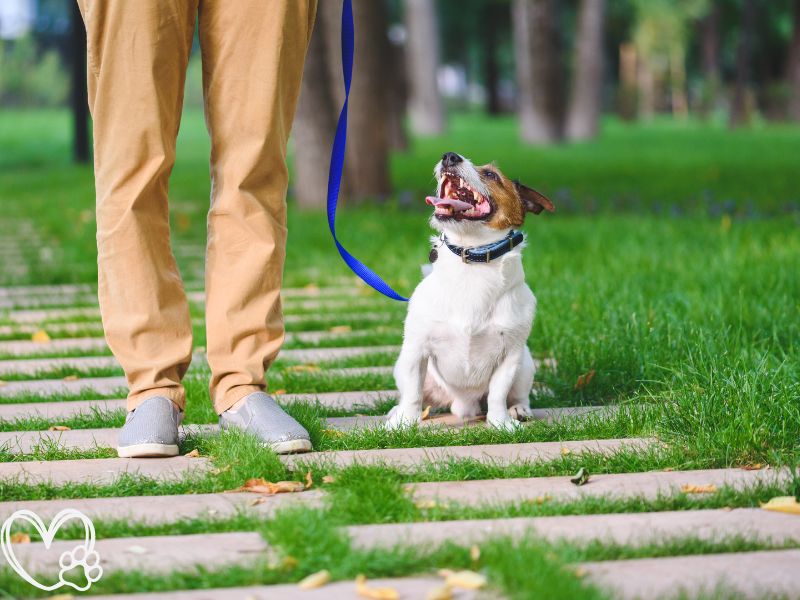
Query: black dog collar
x=487, y=253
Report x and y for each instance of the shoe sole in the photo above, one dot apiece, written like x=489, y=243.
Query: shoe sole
x=147, y=450
x=291, y=446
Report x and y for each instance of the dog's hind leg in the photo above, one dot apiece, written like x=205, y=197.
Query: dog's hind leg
x=519, y=399
x=409, y=375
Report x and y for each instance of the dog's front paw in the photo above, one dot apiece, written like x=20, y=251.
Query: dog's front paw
x=520, y=412
x=503, y=421
x=400, y=417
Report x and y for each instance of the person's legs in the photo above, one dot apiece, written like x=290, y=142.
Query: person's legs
x=253, y=55
x=138, y=52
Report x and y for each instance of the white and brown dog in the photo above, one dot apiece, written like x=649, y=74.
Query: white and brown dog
x=468, y=322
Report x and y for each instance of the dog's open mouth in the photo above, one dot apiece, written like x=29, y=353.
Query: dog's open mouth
x=457, y=199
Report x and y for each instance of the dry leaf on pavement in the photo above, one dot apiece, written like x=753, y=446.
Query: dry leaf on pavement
x=72, y=377
x=193, y=454
x=469, y=580
x=58, y=428
x=309, y=480
x=565, y=451
x=690, y=488
x=441, y=593
x=475, y=553
x=315, y=580
x=784, y=504
x=329, y=479
x=341, y=329
x=303, y=368
x=262, y=486
x=40, y=337
x=584, y=380
x=383, y=593
x=279, y=392
x=20, y=538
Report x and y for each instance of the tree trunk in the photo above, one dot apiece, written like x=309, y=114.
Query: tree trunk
x=627, y=82
x=586, y=100
x=740, y=111
x=539, y=69
x=794, y=66
x=79, y=97
x=315, y=125
x=491, y=68
x=425, y=108
x=398, y=99
x=367, y=157
x=710, y=50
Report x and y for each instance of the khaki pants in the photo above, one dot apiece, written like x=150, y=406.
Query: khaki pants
x=253, y=53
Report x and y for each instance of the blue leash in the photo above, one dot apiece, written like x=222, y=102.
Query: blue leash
x=337, y=161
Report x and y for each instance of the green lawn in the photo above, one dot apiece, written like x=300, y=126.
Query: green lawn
x=670, y=268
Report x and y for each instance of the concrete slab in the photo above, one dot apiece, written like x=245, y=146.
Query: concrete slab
x=28, y=348
x=155, y=510
x=620, y=485
x=636, y=529
x=47, y=387
x=100, y=471
x=408, y=588
x=153, y=554
x=765, y=574
x=499, y=454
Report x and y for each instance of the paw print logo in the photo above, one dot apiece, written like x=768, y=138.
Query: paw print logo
x=80, y=558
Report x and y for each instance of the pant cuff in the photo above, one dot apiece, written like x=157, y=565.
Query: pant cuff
x=233, y=395
x=177, y=396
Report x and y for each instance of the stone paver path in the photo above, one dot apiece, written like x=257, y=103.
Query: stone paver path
x=347, y=319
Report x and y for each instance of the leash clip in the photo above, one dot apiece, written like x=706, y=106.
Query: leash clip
x=464, y=255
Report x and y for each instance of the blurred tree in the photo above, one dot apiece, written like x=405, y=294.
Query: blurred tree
x=367, y=158
x=710, y=57
x=793, y=64
x=315, y=124
x=492, y=13
x=586, y=97
x=79, y=95
x=426, y=110
x=661, y=36
x=741, y=108
x=539, y=65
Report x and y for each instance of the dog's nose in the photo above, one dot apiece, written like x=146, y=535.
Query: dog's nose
x=450, y=159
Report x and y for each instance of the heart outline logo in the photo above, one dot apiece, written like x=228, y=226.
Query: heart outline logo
x=84, y=555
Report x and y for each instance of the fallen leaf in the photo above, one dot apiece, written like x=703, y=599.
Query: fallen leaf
x=40, y=337
x=258, y=501
x=668, y=469
x=220, y=470
x=425, y=504
x=278, y=392
x=754, y=467
x=262, y=486
x=441, y=593
x=539, y=499
x=309, y=480
x=475, y=553
x=329, y=479
x=58, y=428
x=289, y=562
x=690, y=488
x=136, y=550
x=584, y=380
x=581, y=477
x=469, y=580
x=426, y=412
x=580, y=572
x=312, y=289
x=303, y=368
x=61, y=597
x=784, y=504
x=341, y=329
x=193, y=454
x=727, y=508
x=384, y=593
x=20, y=538
x=315, y=580
x=2, y=383
x=565, y=451
x=72, y=377
x=333, y=432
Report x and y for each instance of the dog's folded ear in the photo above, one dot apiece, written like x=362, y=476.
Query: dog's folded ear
x=532, y=200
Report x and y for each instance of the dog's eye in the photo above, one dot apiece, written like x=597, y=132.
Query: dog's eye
x=491, y=175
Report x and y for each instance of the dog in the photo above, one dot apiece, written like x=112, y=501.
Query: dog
x=464, y=339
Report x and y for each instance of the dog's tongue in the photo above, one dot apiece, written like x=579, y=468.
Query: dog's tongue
x=456, y=204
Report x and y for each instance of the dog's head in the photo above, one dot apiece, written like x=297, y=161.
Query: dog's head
x=470, y=198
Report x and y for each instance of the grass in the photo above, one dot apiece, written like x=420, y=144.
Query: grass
x=669, y=270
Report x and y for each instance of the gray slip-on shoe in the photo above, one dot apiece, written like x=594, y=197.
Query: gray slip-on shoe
x=150, y=430
x=260, y=415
